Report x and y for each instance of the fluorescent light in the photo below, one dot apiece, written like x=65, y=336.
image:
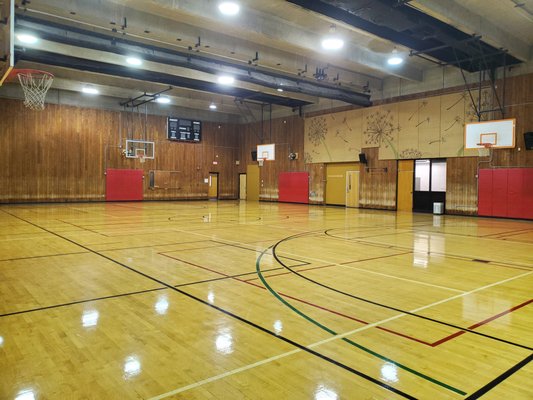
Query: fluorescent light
x=134, y=61
x=27, y=38
x=332, y=43
x=279, y=89
x=89, y=90
x=163, y=100
x=213, y=106
x=229, y=8
x=226, y=80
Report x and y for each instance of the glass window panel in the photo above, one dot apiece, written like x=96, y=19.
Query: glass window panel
x=438, y=176
x=422, y=175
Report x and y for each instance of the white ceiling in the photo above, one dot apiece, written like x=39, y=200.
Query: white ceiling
x=285, y=37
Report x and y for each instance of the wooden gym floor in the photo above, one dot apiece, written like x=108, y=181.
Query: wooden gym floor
x=233, y=300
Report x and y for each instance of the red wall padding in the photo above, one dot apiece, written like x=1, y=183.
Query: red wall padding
x=124, y=184
x=506, y=192
x=484, y=192
x=294, y=187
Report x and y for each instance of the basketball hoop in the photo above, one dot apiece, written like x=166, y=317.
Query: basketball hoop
x=260, y=161
x=141, y=158
x=35, y=84
x=484, y=151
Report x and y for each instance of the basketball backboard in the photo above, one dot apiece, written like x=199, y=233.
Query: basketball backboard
x=139, y=149
x=7, y=38
x=498, y=134
x=266, y=152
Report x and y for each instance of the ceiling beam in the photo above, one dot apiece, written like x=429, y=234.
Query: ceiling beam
x=274, y=31
x=453, y=13
x=87, y=45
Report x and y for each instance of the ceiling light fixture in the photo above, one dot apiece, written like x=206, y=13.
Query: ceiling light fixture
x=162, y=100
x=89, y=90
x=395, y=58
x=226, y=80
x=134, y=61
x=332, y=41
x=279, y=89
x=212, y=106
x=229, y=8
x=27, y=38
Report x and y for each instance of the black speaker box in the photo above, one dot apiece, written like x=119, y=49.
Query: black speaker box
x=528, y=140
x=362, y=158
x=254, y=155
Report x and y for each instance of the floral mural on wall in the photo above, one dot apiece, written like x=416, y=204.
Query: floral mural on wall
x=424, y=128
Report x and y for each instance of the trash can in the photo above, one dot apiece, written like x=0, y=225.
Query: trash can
x=438, y=208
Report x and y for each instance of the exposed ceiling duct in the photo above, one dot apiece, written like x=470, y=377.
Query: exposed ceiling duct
x=116, y=44
x=428, y=37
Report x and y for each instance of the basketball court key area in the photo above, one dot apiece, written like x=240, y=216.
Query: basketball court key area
x=243, y=300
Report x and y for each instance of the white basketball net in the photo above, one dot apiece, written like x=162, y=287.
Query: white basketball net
x=35, y=86
x=260, y=161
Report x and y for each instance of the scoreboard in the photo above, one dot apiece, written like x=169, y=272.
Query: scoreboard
x=184, y=130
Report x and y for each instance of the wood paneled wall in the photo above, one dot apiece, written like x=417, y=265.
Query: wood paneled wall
x=377, y=185
x=462, y=173
x=287, y=134
x=61, y=153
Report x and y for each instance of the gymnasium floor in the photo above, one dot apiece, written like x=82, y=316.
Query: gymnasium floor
x=236, y=300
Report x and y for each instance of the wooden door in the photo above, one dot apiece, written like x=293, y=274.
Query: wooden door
x=242, y=186
x=336, y=182
x=405, y=185
x=212, y=192
x=252, y=182
x=352, y=188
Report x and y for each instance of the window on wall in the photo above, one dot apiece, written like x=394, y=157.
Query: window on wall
x=438, y=176
x=422, y=169
x=430, y=175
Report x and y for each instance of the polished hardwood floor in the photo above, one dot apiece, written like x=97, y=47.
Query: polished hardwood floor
x=238, y=300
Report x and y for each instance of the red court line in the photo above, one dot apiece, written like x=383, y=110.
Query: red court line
x=485, y=321
x=434, y=344
x=333, y=265
x=301, y=300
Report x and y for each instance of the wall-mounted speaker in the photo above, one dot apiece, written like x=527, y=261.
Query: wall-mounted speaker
x=362, y=158
x=254, y=155
x=528, y=140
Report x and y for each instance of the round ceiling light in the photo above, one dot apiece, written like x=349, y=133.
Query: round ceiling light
x=332, y=43
x=226, y=80
x=395, y=58
x=163, y=100
x=229, y=8
x=134, y=61
x=89, y=90
x=212, y=106
x=27, y=38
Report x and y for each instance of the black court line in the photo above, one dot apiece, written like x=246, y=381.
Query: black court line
x=302, y=263
x=222, y=278
x=158, y=245
x=114, y=296
x=495, y=382
x=237, y=317
x=129, y=293
x=43, y=256
x=448, y=255
x=83, y=229
x=508, y=233
x=385, y=305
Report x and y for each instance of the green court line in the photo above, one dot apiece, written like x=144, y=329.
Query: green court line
x=349, y=341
